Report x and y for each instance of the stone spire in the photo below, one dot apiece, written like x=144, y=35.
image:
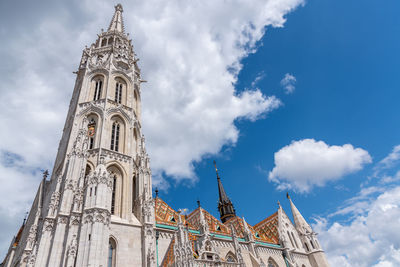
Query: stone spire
x=301, y=224
x=225, y=206
x=117, y=23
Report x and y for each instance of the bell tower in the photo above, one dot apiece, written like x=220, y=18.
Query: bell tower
x=97, y=208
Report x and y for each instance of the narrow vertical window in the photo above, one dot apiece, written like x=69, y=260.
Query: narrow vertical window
x=111, y=253
x=113, y=194
x=112, y=136
x=133, y=192
x=115, y=136
x=118, y=93
x=97, y=90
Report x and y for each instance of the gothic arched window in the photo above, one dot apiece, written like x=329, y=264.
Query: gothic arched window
x=104, y=42
x=115, y=133
x=97, y=89
x=111, y=253
x=118, y=92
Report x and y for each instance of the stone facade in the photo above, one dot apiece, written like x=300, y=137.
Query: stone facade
x=97, y=207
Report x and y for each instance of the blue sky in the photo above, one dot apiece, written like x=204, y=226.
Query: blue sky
x=338, y=124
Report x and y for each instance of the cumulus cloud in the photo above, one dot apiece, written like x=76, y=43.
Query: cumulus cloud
x=371, y=238
x=288, y=83
x=307, y=163
x=190, y=54
x=365, y=230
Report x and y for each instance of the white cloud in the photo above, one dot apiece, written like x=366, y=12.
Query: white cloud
x=388, y=162
x=190, y=54
x=288, y=83
x=371, y=238
x=307, y=163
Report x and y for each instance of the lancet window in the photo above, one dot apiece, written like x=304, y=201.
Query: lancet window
x=111, y=253
x=118, y=92
x=114, y=189
x=115, y=134
x=97, y=89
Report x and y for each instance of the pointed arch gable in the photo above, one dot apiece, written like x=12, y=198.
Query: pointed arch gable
x=112, y=112
x=122, y=75
x=91, y=109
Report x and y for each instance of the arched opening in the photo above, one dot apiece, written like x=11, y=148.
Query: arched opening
x=112, y=249
x=104, y=42
x=117, y=141
x=120, y=91
x=110, y=40
x=97, y=84
x=117, y=187
x=115, y=133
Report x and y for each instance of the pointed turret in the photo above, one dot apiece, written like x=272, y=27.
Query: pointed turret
x=301, y=224
x=225, y=206
x=117, y=23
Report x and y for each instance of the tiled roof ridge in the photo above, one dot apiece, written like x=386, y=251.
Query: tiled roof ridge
x=266, y=219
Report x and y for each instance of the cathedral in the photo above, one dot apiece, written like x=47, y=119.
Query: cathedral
x=97, y=207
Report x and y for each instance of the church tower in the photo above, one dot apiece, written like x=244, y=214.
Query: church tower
x=97, y=208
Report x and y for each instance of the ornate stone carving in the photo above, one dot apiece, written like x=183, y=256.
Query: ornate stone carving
x=62, y=219
x=48, y=224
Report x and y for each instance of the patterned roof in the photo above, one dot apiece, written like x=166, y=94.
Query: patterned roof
x=264, y=231
x=214, y=225
x=268, y=229
x=169, y=256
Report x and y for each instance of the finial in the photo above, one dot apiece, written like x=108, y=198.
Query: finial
x=279, y=204
x=216, y=169
x=287, y=195
x=45, y=174
x=119, y=8
x=198, y=203
x=156, y=192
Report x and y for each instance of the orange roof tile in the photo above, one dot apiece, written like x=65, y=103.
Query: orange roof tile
x=214, y=225
x=268, y=229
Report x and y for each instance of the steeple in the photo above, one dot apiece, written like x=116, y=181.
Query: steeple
x=225, y=206
x=117, y=23
x=301, y=224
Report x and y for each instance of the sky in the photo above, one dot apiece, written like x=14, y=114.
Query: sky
x=286, y=95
